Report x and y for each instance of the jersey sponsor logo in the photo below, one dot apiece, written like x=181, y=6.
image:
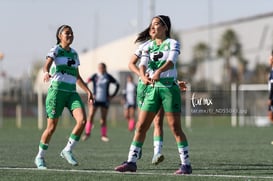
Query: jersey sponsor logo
x=157, y=56
x=71, y=62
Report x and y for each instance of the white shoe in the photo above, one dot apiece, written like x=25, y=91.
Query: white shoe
x=40, y=163
x=104, y=139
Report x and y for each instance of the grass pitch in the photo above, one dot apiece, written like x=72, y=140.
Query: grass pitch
x=217, y=152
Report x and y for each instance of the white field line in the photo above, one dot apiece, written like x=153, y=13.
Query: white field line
x=139, y=173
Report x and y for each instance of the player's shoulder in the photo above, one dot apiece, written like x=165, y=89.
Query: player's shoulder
x=174, y=44
x=72, y=50
x=173, y=41
x=144, y=44
x=55, y=48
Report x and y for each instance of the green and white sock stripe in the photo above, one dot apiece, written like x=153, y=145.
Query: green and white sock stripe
x=43, y=146
x=137, y=144
x=75, y=137
x=182, y=144
x=158, y=138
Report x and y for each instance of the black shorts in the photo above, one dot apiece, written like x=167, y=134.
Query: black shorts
x=127, y=106
x=101, y=104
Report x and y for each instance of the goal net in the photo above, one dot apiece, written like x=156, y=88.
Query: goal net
x=251, y=103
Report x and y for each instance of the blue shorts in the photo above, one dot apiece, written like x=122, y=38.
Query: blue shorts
x=101, y=104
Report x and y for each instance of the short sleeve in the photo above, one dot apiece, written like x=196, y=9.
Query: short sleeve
x=52, y=52
x=145, y=56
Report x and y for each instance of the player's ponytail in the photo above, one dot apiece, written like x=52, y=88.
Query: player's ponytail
x=144, y=35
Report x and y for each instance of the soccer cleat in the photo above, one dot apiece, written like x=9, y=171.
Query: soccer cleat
x=184, y=169
x=126, y=167
x=157, y=158
x=69, y=157
x=104, y=139
x=85, y=137
x=40, y=163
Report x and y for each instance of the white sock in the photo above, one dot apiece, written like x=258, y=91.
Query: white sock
x=158, y=147
x=133, y=153
x=41, y=153
x=42, y=150
x=184, y=155
x=70, y=144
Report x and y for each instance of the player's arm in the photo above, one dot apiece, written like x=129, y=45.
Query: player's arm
x=113, y=80
x=84, y=86
x=46, y=68
x=132, y=64
x=168, y=65
x=270, y=93
x=171, y=60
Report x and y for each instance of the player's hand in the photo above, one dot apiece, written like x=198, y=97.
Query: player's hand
x=90, y=98
x=182, y=85
x=146, y=80
x=156, y=76
x=47, y=76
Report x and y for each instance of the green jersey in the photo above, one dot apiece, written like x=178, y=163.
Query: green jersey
x=64, y=69
x=154, y=56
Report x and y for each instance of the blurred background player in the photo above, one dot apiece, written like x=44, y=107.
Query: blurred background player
x=101, y=84
x=129, y=102
x=64, y=62
x=270, y=87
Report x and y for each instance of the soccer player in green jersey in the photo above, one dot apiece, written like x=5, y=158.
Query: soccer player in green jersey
x=61, y=67
x=141, y=89
x=158, y=157
x=158, y=59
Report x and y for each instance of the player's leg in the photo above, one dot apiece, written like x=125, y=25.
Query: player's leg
x=45, y=139
x=92, y=108
x=181, y=140
x=270, y=111
x=131, y=123
x=149, y=109
x=77, y=108
x=144, y=121
x=172, y=107
x=103, y=123
x=126, y=113
x=54, y=107
x=158, y=137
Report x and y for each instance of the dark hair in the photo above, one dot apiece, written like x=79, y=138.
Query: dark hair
x=60, y=30
x=165, y=20
x=144, y=35
x=272, y=53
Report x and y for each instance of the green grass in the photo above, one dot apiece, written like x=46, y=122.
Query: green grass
x=215, y=149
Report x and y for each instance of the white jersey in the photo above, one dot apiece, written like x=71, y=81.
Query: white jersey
x=101, y=93
x=101, y=83
x=130, y=93
x=64, y=69
x=154, y=56
x=138, y=52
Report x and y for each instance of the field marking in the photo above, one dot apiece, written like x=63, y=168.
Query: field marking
x=138, y=173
